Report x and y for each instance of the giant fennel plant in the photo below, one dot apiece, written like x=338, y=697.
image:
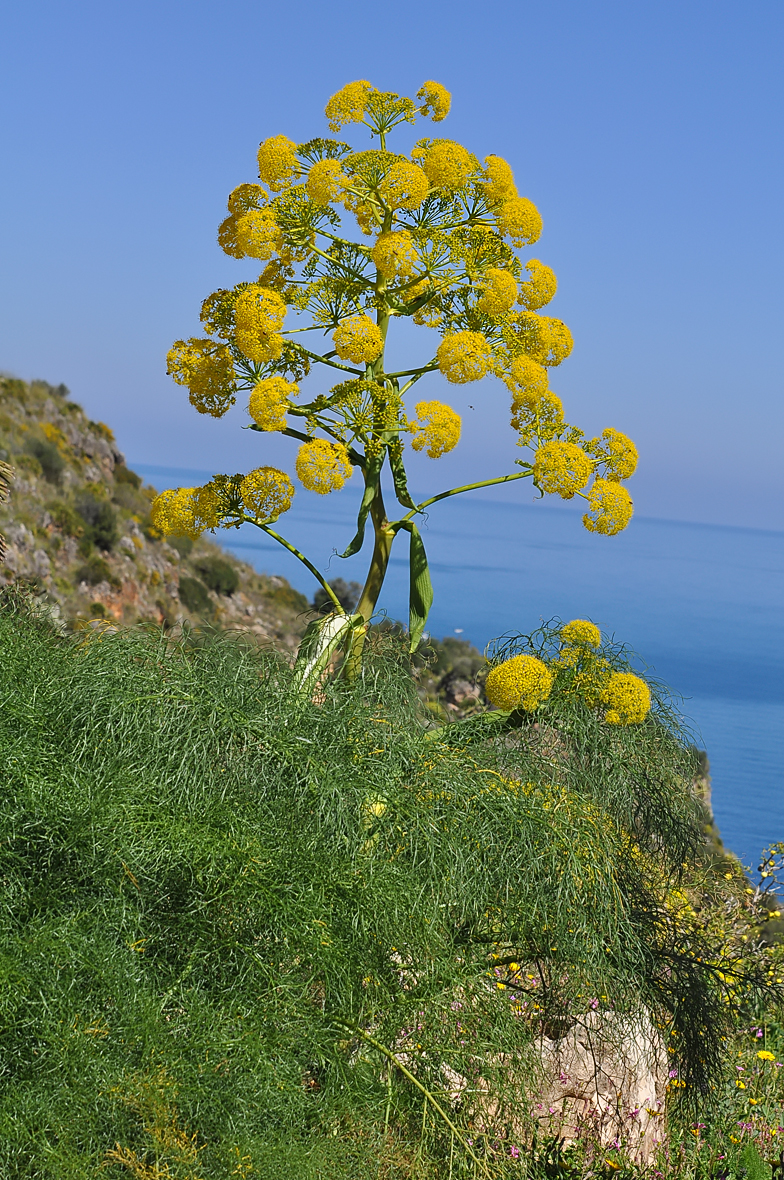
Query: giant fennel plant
x=438, y=240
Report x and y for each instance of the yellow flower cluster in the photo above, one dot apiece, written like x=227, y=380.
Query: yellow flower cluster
x=561, y=468
x=246, y=197
x=436, y=100
x=537, y=415
x=348, y=105
x=581, y=633
x=358, y=339
x=610, y=508
x=269, y=400
x=546, y=340
x=499, y=291
x=463, y=357
x=207, y=368
x=447, y=164
x=540, y=288
x=405, y=186
x=395, y=255
x=185, y=512
x=323, y=466
x=628, y=697
x=278, y=163
x=257, y=234
x=266, y=493
x=500, y=180
x=326, y=181
x=522, y=682
x=260, y=312
x=520, y=220
x=437, y=428
x=617, y=452
x=525, y=376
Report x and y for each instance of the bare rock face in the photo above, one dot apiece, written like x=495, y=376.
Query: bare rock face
x=606, y=1081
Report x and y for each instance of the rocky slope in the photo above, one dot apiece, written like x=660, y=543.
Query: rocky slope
x=77, y=526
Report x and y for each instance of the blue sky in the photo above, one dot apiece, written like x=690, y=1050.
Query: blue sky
x=649, y=135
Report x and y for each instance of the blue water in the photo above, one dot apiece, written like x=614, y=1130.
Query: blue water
x=702, y=604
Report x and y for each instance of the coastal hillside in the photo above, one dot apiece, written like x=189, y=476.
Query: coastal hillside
x=77, y=526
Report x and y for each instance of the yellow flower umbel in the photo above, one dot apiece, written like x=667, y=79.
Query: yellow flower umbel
x=348, y=105
x=207, y=368
x=260, y=312
x=525, y=376
x=269, y=401
x=436, y=100
x=628, y=698
x=437, y=428
x=581, y=633
x=326, y=181
x=499, y=291
x=395, y=255
x=404, y=187
x=185, y=512
x=522, y=682
x=500, y=180
x=266, y=493
x=610, y=508
x=520, y=220
x=617, y=452
x=358, y=339
x=258, y=234
x=323, y=466
x=446, y=164
x=464, y=356
x=537, y=416
x=278, y=163
x=561, y=468
x=540, y=288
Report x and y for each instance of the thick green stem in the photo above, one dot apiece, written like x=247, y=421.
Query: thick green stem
x=382, y=547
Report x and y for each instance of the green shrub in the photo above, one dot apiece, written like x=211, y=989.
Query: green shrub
x=194, y=596
x=100, y=520
x=66, y=519
x=123, y=474
x=217, y=574
x=183, y=545
x=226, y=906
x=96, y=570
x=50, y=459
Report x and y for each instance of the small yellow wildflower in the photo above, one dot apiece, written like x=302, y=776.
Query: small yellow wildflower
x=561, y=468
x=437, y=428
x=629, y=699
x=258, y=234
x=358, y=339
x=499, y=291
x=448, y=165
x=741, y=1085
x=326, y=181
x=246, y=197
x=323, y=466
x=405, y=186
x=581, y=633
x=436, y=100
x=348, y=105
x=525, y=375
x=764, y=1055
x=521, y=682
x=520, y=220
x=395, y=255
x=207, y=368
x=266, y=492
x=610, y=508
x=268, y=402
x=500, y=180
x=540, y=288
x=278, y=163
x=463, y=356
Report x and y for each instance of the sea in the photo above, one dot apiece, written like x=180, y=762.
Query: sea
x=702, y=605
